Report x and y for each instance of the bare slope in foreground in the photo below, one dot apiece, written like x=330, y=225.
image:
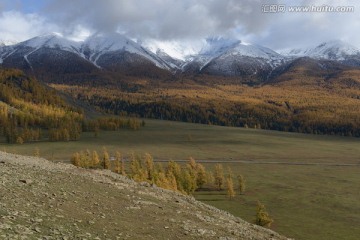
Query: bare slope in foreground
x=44, y=200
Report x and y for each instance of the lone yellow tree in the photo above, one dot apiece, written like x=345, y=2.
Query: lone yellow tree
x=230, y=187
x=262, y=217
x=219, y=176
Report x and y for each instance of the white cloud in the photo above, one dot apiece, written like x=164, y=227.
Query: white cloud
x=161, y=19
x=186, y=20
x=185, y=23
x=16, y=26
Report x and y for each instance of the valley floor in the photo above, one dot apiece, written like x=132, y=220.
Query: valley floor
x=308, y=183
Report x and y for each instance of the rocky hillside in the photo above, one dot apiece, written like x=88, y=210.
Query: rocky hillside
x=44, y=200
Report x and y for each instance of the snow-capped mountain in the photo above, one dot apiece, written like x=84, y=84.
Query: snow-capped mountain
x=49, y=54
x=104, y=50
x=174, y=63
x=54, y=54
x=333, y=50
x=231, y=57
x=54, y=41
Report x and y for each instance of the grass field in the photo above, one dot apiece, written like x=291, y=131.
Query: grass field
x=306, y=201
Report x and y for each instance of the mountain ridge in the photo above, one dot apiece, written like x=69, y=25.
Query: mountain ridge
x=54, y=56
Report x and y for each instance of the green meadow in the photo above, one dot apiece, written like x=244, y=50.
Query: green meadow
x=309, y=184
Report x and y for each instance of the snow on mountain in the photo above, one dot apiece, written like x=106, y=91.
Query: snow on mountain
x=99, y=44
x=111, y=42
x=218, y=45
x=46, y=53
x=175, y=48
x=92, y=49
x=174, y=63
x=53, y=40
x=6, y=49
x=231, y=50
x=215, y=55
x=4, y=43
x=332, y=50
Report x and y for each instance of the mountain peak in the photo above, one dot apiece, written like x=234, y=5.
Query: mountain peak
x=336, y=44
x=330, y=50
x=51, y=40
x=110, y=42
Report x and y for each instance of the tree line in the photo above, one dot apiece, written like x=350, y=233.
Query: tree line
x=185, y=178
x=228, y=113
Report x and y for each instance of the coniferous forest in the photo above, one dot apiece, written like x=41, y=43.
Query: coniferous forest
x=31, y=111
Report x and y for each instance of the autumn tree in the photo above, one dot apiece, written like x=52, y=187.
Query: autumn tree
x=106, y=159
x=175, y=169
x=149, y=164
x=201, y=177
x=192, y=163
x=241, y=182
x=120, y=162
x=198, y=170
x=83, y=161
x=161, y=180
x=137, y=171
x=209, y=177
x=230, y=187
x=37, y=152
x=95, y=159
x=19, y=140
x=218, y=176
x=262, y=217
x=75, y=159
x=117, y=163
x=87, y=158
x=188, y=181
x=173, y=185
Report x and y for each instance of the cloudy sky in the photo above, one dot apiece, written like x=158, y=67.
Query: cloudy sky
x=182, y=22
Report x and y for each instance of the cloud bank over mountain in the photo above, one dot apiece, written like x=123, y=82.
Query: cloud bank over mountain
x=187, y=20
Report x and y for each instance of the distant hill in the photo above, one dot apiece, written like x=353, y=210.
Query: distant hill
x=30, y=110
